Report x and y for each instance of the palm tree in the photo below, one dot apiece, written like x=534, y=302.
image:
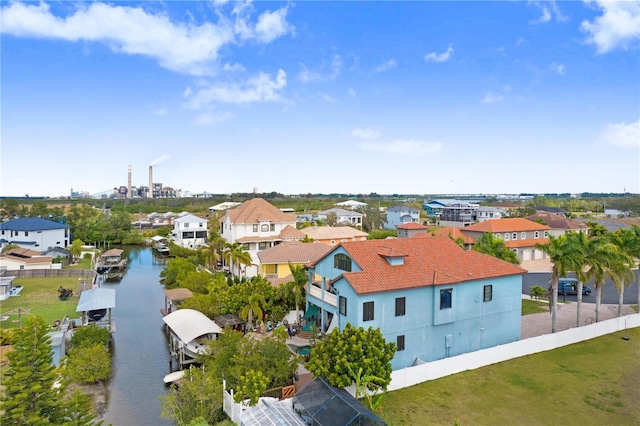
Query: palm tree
x=578, y=241
x=604, y=260
x=255, y=306
x=493, y=246
x=565, y=256
x=212, y=256
x=295, y=290
x=629, y=242
x=236, y=255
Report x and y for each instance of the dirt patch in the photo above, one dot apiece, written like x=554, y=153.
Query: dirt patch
x=98, y=394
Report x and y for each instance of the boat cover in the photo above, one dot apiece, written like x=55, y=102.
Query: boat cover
x=189, y=324
x=97, y=298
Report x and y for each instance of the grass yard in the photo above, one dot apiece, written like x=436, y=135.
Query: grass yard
x=40, y=296
x=588, y=383
x=530, y=306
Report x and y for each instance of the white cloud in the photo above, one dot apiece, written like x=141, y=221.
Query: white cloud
x=233, y=67
x=622, y=134
x=351, y=92
x=439, y=57
x=328, y=98
x=549, y=9
x=208, y=118
x=261, y=88
x=329, y=71
x=545, y=17
x=182, y=47
x=617, y=27
x=403, y=147
x=386, y=66
x=367, y=133
x=557, y=68
x=491, y=98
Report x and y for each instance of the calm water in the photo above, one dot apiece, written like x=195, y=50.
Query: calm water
x=140, y=349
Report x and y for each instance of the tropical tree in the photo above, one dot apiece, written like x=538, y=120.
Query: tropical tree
x=603, y=259
x=30, y=397
x=565, y=256
x=295, y=290
x=350, y=349
x=364, y=385
x=629, y=242
x=494, y=246
x=255, y=306
x=236, y=255
x=76, y=248
x=78, y=411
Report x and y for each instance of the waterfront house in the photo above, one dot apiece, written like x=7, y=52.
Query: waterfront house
x=34, y=233
x=332, y=235
x=275, y=261
x=428, y=295
x=190, y=231
x=520, y=235
x=24, y=259
x=258, y=225
x=400, y=215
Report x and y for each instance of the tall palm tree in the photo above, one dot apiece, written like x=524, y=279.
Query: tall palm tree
x=493, y=246
x=237, y=256
x=629, y=242
x=578, y=242
x=256, y=303
x=212, y=256
x=565, y=256
x=603, y=260
x=295, y=290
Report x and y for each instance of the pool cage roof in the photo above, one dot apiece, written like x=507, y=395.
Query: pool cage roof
x=321, y=404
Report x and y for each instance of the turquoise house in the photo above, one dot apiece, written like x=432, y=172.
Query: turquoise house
x=428, y=295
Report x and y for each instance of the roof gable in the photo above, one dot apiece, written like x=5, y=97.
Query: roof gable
x=294, y=252
x=31, y=224
x=557, y=221
x=332, y=232
x=258, y=210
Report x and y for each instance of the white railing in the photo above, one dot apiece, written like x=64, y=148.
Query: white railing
x=329, y=298
x=444, y=367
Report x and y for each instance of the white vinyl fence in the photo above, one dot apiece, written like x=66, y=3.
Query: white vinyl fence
x=444, y=367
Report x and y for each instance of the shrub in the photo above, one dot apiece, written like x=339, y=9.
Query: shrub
x=89, y=364
x=6, y=337
x=90, y=335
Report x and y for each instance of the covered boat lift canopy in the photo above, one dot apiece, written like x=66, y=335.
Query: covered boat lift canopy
x=97, y=299
x=189, y=324
x=174, y=296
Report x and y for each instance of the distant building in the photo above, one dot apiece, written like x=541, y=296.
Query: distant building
x=190, y=231
x=343, y=217
x=520, y=235
x=351, y=204
x=400, y=215
x=332, y=235
x=410, y=229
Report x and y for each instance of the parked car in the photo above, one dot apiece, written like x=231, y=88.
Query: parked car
x=570, y=286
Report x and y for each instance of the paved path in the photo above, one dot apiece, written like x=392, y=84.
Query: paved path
x=539, y=324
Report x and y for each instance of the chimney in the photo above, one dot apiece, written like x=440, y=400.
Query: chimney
x=150, y=181
x=129, y=183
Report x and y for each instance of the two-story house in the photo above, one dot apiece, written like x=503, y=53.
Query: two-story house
x=332, y=235
x=490, y=212
x=400, y=215
x=459, y=215
x=342, y=217
x=34, y=233
x=559, y=223
x=258, y=225
x=411, y=229
x=520, y=235
x=428, y=295
x=190, y=231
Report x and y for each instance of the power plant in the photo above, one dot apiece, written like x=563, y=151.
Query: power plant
x=153, y=190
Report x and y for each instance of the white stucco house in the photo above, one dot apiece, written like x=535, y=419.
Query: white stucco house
x=34, y=233
x=344, y=217
x=190, y=231
x=23, y=259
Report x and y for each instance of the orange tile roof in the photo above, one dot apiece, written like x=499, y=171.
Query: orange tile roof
x=453, y=232
x=512, y=224
x=428, y=262
x=411, y=225
x=294, y=252
x=256, y=210
x=332, y=232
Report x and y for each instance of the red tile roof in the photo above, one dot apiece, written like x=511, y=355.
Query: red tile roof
x=514, y=224
x=411, y=225
x=428, y=262
x=256, y=210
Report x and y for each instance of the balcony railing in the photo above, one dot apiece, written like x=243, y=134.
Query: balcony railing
x=329, y=298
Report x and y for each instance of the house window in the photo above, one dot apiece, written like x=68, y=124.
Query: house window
x=546, y=234
x=400, y=306
x=523, y=235
x=343, y=305
x=488, y=293
x=264, y=227
x=499, y=236
x=400, y=343
x=255, y=227
x=367, y=311
x=514, y=236
x=536, y=234
x=26, y=233
x=342, y=261
x=515, y=250
x=445, y=298
x=262, y=246
x=272, y=227
x=186, y=225
x=333, y=242
x=506, y=236
x=21, y=266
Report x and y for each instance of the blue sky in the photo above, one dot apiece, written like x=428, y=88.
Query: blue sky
x=297, y=97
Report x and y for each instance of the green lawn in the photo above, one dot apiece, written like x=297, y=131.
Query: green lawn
x=530, y=306
x=587, y=383
x=40, y=296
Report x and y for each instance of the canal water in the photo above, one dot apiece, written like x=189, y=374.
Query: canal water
x=140, y=357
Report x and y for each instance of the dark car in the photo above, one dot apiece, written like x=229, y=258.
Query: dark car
x=570, y=286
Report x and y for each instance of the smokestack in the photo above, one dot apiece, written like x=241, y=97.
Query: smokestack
x=129, y=183
x=151, y=181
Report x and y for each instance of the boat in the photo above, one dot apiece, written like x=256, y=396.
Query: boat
x=189, y=331
x=173, y=377
x=162, y=249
